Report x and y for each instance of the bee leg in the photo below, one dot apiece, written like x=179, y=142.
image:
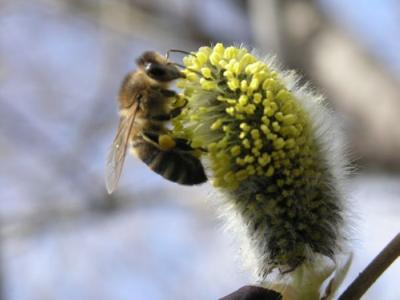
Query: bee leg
x=172, y=94
x=166, y=142
x=163, y=142
x=165, y=117
x=184, y=145
x=177, y=110
x=151, y=137
x=168, y=93
x=172, y=114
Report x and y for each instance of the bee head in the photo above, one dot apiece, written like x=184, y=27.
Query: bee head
x=158, y=67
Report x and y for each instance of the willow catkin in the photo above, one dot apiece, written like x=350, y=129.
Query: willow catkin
x=273, y=150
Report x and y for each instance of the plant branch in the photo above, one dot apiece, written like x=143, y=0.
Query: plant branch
x=372, y=272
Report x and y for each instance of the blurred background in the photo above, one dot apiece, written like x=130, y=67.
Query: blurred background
x=61, y=64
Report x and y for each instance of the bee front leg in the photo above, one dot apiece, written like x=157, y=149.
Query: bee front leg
x=172, y=94
x=166, y=95
x=169, y=116
x=177, y=110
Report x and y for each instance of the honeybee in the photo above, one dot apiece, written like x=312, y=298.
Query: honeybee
x=145, y=108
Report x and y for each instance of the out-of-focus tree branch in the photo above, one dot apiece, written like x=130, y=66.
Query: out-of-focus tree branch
x=62, y=163
x=129, y=20
x=267, y=25
x=355, y=83
x=34, y=222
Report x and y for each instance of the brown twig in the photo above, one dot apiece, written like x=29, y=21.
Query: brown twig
x=372, y=272
x=251, y=292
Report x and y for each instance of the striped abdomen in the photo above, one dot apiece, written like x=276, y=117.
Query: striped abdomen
x=174, y=165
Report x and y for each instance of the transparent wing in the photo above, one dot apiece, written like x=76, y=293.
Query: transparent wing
x=116, y=156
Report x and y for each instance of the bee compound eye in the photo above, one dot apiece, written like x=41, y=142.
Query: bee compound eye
x=155, y=71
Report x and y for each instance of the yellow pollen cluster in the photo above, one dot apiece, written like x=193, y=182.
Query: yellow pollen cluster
x=250, y=123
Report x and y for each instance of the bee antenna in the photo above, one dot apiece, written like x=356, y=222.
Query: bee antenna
x=189, y=69
x=178, y=51
x=182, y=66
x=178, y=65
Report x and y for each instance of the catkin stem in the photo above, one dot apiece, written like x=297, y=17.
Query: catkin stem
x=371, y=273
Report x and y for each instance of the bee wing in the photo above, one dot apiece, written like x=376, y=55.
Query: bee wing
x=116, y=156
